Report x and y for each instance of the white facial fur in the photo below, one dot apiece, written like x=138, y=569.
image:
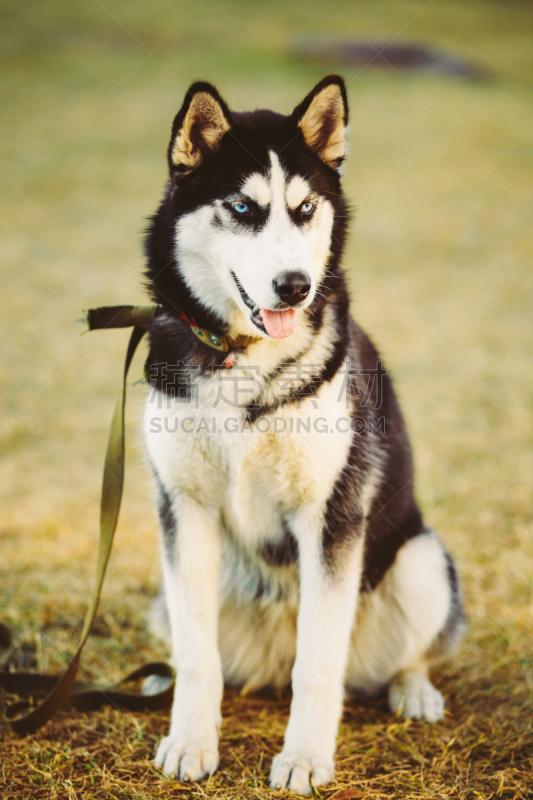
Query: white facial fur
x=208, y=253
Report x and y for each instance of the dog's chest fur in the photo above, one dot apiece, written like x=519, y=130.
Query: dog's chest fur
x=254, y=474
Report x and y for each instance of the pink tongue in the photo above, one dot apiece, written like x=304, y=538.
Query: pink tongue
x=279, y=324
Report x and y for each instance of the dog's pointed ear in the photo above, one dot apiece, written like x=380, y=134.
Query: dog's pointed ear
x=323, y=118
x=198, y=128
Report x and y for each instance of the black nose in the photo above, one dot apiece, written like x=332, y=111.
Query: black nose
x=292, y=287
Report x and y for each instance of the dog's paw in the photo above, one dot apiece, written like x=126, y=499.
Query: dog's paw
x=415, y=697
x=298, y=772
x=186, y=760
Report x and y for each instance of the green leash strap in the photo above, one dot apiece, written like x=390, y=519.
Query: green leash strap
x=86, y=697
x=65, y=689
x=121, y=317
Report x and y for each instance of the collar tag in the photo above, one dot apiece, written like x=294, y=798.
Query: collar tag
x=210, y=339
x=205, y=336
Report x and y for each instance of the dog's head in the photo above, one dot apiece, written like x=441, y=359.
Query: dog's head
x=254, y=198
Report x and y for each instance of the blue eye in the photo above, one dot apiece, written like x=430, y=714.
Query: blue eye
x=240, y=208
x=307, y=208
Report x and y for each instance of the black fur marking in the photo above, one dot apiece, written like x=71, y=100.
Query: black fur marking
x=344, y=516
x=255, y=316
x=256, y=581
x=309, y=389
x=394, y=517
x=166, y=515
x=281, y=552
x=251, y=221
x=246, y=298
x=299, y=217
x=455, y=624
x=388, y=530
x=167, y=519
x=173, y=343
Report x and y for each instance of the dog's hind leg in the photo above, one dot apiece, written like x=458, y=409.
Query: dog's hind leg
x=411, y=693
x=411, y=619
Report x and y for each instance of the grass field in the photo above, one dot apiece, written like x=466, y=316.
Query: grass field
x=439, y=262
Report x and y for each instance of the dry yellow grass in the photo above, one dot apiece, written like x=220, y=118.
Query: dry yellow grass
x=440, y=264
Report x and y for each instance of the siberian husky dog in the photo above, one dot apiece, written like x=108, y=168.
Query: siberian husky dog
x=293, y=548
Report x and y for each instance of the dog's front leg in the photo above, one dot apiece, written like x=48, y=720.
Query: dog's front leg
x=191, y=566
x=328, y=597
